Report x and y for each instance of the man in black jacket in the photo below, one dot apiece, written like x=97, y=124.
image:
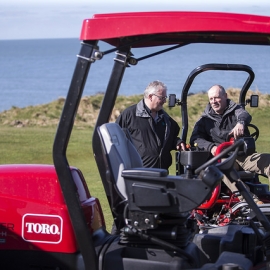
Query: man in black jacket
x=222, y=119
x=153, y=132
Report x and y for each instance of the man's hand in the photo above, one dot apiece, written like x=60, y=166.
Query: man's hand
x=237, y=131
x=181, y=147
x=213, y=150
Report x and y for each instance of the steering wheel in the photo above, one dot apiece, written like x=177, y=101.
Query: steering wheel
x=256, y=133
x=228, y=162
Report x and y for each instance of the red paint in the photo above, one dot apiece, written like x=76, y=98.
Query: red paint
x=33, y=213
x=112, y=27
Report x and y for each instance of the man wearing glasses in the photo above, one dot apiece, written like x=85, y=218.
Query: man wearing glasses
x=153, y=132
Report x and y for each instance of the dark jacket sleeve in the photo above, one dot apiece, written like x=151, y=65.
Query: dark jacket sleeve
x=242, y=115
x=175, y=136
x=121, y=119
x=201, y=137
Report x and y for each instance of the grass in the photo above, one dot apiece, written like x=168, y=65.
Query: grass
x=25, y=138
x=26, y=145
x=34, y=145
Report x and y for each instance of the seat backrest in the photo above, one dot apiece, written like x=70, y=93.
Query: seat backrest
x=120, y=153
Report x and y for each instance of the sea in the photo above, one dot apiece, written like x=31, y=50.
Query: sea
x=34, y=72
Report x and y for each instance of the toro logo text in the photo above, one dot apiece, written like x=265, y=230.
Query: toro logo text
x=42, y=228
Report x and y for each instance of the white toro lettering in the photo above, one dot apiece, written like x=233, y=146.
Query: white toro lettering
x=42, y=228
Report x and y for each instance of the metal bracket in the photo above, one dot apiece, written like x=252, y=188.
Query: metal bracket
x=122, y=58
x=96, y=55
x=126, y=59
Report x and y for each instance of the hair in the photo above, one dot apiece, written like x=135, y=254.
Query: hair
x=221, y=89
x=153, y=88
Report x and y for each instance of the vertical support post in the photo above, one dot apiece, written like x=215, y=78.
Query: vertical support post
x=107, y=108
x=81, y=230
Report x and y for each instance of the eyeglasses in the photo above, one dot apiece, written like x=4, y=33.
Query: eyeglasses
x=161, y=97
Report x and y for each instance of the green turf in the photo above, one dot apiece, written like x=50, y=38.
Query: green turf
x=33, y=144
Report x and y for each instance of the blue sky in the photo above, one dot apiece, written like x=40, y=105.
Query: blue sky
x=31, y=19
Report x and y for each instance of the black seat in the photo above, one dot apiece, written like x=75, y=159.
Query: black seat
x=121, y=154
x=147, y=191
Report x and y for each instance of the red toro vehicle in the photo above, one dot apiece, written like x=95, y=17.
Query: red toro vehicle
x=49, y=219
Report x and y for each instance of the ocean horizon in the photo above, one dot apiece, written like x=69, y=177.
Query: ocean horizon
x=34, y=72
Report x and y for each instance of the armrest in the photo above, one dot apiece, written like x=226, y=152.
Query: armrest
x=146, y=172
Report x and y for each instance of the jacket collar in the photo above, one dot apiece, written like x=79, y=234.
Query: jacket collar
x=143, y=111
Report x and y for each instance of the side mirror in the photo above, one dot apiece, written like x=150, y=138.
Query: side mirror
x=172, y=100
x=253, y=101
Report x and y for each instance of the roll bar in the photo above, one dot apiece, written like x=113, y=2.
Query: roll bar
x=196, y=72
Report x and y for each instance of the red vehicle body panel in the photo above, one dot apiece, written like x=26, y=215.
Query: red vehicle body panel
x=33, y=213
x=112, y=28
